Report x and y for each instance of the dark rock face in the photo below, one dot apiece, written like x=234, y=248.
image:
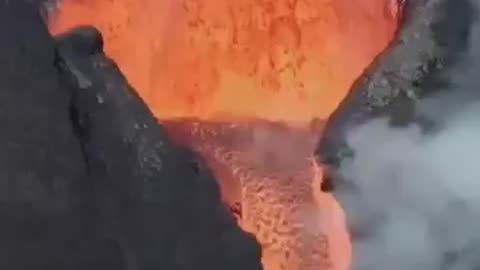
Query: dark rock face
x=431, y=40
x=89, y=179
x=158, y=205
x=44, y=193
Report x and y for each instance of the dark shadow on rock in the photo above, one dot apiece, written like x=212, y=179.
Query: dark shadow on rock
x=46, y=206
x=160, y=207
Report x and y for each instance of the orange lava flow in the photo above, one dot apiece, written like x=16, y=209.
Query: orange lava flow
x=234, y=60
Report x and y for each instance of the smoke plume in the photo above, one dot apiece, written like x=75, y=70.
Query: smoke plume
x=414, y=196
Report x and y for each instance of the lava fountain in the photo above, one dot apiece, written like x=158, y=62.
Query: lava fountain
x=241, y=82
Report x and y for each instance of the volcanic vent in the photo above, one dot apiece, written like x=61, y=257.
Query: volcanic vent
x=243, y=83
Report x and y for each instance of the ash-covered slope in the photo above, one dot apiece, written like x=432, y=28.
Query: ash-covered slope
x=89, y=179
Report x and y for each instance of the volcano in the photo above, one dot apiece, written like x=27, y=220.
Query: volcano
x=243, y=84
x=127, y=150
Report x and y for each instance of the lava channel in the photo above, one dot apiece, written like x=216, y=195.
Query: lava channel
x=267, y=168
x=225, y=61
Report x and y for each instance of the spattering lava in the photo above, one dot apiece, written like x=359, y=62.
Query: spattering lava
x=226, y=62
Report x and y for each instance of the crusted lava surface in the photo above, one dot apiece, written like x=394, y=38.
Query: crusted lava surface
x=258, y=146
x=267, y=169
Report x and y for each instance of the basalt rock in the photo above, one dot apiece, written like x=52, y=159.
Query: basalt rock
x=156, y=202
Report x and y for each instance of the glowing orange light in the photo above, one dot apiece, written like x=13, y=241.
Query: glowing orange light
x=288, y=60
x=272, y=59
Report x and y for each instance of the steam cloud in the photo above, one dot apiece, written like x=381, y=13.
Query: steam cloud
x=415, y=196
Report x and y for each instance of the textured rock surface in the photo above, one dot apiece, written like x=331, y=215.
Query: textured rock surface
x=432, y=37
x=161, y=208
x=88, y=179
x=45, y=217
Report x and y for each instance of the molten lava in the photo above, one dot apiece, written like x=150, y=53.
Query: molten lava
x=226, y=62
x=267, y=168
x=272, y=59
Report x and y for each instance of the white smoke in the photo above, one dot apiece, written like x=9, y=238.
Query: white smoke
x=416, y=196
x=420, y=196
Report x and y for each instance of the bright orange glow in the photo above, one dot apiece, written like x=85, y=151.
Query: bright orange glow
x=216, y=60
x=272, y=59
x=267, y=168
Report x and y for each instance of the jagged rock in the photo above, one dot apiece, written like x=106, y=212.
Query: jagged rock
x=432, y=36
x=158, y=205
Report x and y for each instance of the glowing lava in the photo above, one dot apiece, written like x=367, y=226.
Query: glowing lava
x=235, y=60
x=267, y=168
x=271, y=59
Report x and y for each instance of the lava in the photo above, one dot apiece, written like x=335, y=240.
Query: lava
x=272, y=59
x=298, y=226
x=225, y=63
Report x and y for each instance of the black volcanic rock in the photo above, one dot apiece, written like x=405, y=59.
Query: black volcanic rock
x=88, y=179
x=160, y=207
x=46, y=217
x=432, y=37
